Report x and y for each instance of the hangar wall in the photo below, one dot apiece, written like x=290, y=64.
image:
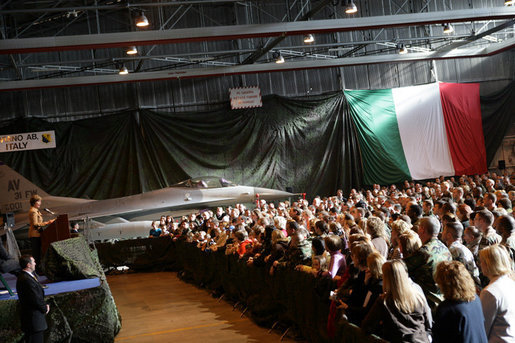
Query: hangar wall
x=494, y=73
x=194, y=96
x=201, y=94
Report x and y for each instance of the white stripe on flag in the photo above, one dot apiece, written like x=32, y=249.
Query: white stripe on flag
x=422, y=130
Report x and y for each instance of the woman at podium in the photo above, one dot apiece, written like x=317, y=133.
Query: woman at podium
x=36, y=226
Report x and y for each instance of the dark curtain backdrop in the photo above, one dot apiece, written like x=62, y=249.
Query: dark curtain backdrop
x=307, y=144
x=498, y=113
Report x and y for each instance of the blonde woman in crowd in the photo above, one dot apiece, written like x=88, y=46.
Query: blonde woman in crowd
x=402, y=309
x=376, y=230
x=399, y=227
x=409, y=243
x=498, y=298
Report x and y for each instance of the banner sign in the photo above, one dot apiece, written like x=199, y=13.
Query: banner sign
x=27, y=141
x=245, y=97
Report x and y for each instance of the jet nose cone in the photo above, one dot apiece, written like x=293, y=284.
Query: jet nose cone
x=271, y=194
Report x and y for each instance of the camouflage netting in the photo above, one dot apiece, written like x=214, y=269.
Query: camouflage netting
x=88, y=315
x=71, y=259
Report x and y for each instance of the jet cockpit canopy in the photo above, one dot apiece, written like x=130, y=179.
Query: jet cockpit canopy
x=205, y=182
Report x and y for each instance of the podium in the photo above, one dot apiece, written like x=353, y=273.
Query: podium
x=57, y=231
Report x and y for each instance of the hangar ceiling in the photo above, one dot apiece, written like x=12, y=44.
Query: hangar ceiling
x=64, y=43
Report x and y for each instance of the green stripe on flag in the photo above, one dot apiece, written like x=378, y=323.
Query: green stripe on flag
x=373, y=112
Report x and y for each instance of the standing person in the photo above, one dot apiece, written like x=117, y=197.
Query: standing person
x=36, y=226
x=459, y=318
x=32, y=302
x=498, y=298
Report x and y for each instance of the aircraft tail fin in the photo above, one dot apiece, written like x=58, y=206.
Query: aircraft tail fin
x=16, y=190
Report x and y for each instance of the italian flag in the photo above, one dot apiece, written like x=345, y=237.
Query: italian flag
x=420, y=132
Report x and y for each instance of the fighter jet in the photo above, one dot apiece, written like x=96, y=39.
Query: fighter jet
x=125, y=217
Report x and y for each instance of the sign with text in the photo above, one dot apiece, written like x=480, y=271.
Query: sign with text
x=245, y=97
x=27, y=141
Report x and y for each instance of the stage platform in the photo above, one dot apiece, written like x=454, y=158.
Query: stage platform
x=53, y=288
x=82, y=308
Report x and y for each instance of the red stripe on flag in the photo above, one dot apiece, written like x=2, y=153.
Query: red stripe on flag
x=462, y=115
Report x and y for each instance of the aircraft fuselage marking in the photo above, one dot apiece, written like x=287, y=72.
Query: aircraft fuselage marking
x=14, y=185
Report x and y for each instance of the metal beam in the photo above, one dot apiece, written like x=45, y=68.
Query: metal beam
x=120, y=6
x=264, y=50
x=326, y=46
x=124, y=39
x=492, y=49
x=473, y=38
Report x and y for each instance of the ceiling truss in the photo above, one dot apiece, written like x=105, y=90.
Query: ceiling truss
x=486, y=31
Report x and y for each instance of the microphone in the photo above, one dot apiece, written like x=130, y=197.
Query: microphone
x=47, y=210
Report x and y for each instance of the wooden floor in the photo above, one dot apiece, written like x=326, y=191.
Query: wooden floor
x=158, y=307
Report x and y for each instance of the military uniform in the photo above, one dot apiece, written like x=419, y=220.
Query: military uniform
x=491, y=237
x=296, y=254
x=422, y=266
x=462, y=254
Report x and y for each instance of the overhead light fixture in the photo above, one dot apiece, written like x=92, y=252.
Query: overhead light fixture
x=447, y=28
x=350, y=7
x=509, y=2
x=123, y=70
x=132, y=50
x=142, y=20
x=279, y=59
x=402, y=49
x=73, y=13
x=309, y=38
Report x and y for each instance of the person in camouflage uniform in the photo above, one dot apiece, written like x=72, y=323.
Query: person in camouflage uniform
x=483, y=221
x=451, y=235
x=422, y=264
x=298, y=251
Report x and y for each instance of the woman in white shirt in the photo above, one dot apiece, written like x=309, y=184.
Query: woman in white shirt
x=498, y=298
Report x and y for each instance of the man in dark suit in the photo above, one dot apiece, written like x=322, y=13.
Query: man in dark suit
x=32, y=301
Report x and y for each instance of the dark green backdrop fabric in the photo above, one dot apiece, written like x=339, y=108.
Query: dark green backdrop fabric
x=309, y=145
x=498, y=113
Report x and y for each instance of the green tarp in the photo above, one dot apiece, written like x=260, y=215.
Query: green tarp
x=309, y=144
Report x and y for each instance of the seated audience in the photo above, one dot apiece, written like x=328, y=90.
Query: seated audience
x=505, y=226
x=484, y=220
x=337, y=264
x=376, y=230
x=372, y=288
x=399, y=227
x=472, y=237
x=422, y=264
x=379, y=212
x=451, y=235
x=155, y=231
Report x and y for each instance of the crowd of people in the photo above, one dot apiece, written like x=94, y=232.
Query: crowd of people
x=412, y=263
